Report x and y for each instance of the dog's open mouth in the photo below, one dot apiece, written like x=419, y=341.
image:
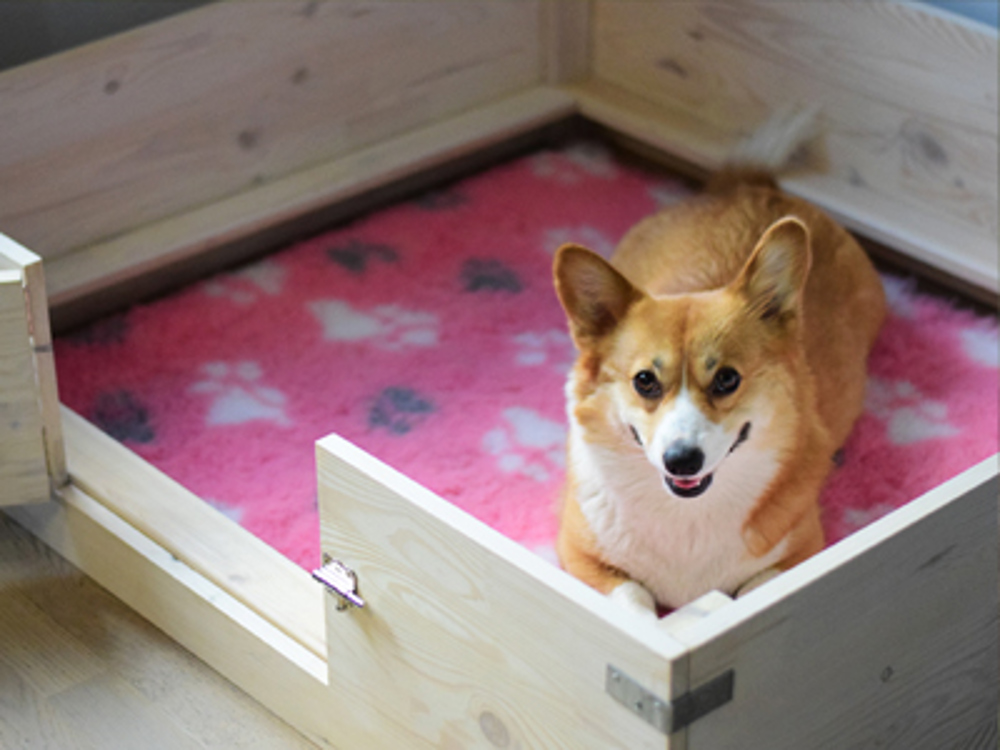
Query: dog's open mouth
x=688, y=487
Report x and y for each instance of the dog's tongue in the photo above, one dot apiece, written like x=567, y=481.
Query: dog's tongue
x=686, y=484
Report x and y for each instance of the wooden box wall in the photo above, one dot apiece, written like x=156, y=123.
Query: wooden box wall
x=179, y=140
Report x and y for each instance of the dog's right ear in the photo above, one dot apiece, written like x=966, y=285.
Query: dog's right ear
x=593, y=293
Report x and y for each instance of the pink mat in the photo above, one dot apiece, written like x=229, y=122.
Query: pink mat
x=429, y=335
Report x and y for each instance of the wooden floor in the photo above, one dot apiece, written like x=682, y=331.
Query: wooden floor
x=80, y=671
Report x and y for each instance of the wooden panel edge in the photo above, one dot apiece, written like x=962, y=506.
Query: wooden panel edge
x=163, y=243
x=24, y=467
x=215, y=546
x=14, y=255
x=45, y=372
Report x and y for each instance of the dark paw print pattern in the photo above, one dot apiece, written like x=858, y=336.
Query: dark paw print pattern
x=113, y=330
x=399, y=410
x=440, y=200
x=123, y=417
x=357, y=255
x=480, y=275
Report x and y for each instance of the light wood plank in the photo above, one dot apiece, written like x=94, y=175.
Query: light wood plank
x=242, y=646
x=68, y=644
x=204, y=539
x=466, y=635
x=909, y=102
x=26, y=719
x=45, y=371
x=178, y=238
x=888, y=638
x=106, y=713
x=39, y=651
x=132, y=129
x=23, y=471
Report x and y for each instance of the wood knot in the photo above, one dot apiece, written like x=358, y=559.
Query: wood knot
x=248, y=139
x=493, y=729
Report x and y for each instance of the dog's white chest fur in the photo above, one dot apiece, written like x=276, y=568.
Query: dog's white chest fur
x=677, y=548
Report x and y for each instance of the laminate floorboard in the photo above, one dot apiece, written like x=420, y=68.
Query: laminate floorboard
x=81, y=671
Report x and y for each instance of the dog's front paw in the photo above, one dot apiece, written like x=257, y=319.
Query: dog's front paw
x=634, y=597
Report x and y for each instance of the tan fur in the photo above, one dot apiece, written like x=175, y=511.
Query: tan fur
x=690, y=269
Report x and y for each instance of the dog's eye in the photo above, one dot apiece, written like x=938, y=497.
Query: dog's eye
x=646, y=384
x=726, y=381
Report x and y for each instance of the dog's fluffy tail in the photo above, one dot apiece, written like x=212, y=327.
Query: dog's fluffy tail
x=770, y=149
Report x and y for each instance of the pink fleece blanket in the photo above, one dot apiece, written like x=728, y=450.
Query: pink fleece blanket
x=429, y=335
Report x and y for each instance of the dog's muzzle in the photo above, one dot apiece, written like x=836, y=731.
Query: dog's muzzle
x=683, y=463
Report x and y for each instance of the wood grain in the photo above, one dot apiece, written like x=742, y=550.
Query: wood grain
x=158, y=245
x=467, y=636
x=195, y=533
x=243, y=647
x=23, y=469
x=30, y=400
x=909, y=104
x=171, y=116
x=80, y=671
x=887, y=639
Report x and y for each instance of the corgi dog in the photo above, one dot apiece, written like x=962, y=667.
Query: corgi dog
x=721, y=366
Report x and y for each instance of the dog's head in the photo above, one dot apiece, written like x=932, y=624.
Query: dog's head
x=688, y=378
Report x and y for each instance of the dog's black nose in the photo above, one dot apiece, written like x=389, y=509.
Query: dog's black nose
x=683, y=460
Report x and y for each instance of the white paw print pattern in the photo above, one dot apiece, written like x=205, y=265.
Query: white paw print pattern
x=668, y=193
x=588, y=236
x=552, y=347
x=909, y=416
x=579, y=160
x=899, y=295
x=858, y=518
x=527, y=443
x=386, y=326
x=547, y=552
x=232, y=512
x=981, y=346
x=239, y=396
x=244, y=287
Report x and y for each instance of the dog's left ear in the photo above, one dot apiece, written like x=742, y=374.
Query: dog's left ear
x=593, y=293
x=775, y=274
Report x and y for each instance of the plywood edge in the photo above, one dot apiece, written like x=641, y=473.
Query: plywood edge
x=495, y=543
x=848, y=549
x=216, y=547
x=273, y=668
x=178, y=238
x=699, y=148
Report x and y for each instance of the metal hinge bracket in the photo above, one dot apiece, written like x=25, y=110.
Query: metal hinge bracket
x=341, y=581
x=669, y=716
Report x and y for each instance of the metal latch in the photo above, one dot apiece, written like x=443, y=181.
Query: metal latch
x=342, y=581
x=669, y=716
